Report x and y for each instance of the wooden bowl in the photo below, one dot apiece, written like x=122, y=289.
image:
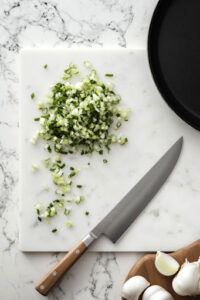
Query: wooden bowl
x=146, y=268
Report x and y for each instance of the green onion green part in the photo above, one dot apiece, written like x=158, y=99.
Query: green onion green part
x=109, y=75
x=32, y=95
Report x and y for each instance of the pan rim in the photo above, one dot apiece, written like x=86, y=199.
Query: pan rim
x=185, y=114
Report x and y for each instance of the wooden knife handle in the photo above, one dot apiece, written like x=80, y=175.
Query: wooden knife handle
x=44, y=286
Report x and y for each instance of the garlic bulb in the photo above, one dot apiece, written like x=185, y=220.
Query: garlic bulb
x=134, y=287
x=156, y=292
x=187, y=281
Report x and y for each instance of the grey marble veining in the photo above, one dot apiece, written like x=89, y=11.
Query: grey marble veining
x=51, y=23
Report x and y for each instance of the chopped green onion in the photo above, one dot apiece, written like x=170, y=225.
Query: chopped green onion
x=87, y=64
x=32, y=95
x=46, y=162
x=118, y=125
x=87, y=213
x=48, y=147
x=105, y=161
x=78, y=116
x=34, y=139
x=73, y=173
x=69, y=224
x=35, y=168
x=46, y=187
x=109, y=75
x=45, y=66
x=79, y=186
x=70, y=71
x=69, y=200
x=123, y=141
x=67, y=211
x=54, y=230
x=80, y=199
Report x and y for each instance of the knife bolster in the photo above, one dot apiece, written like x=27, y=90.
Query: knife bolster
x=89, y=239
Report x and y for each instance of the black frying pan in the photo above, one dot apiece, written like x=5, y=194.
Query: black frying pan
x=174, y=56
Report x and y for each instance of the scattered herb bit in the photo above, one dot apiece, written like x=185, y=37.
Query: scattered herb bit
x=45, y=66
x=70, y=72
x=79, y=186
x=105, y=161
x=123, y=141
x=88, y=163
x=61, y=182
x=54, y=230
x=87, y=64
x=69, y=224
x=80, y=199
x=46, y=187
x=87, y=213
x=39, y=219
x=67, y=211
x=69, y=200
x=60, y=205
x=37, y=119
x=48, y=147
x=34, y=139
x=73, y=173
x=46, y=162
x=109, y=75
x=32, y=95
x=35, y=168
x=118, y=125
x=72, y=168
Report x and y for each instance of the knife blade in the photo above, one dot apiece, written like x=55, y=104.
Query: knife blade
x=129, y=208
x=116, y=222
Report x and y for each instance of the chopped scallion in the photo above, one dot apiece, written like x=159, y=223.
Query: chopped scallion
x=32, y=95
x=109, y=75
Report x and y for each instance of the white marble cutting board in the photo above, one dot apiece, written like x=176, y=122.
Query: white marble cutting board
x=172, y=218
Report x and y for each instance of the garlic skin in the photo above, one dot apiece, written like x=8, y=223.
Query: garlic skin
x=156, y=292
x=187, y=281
x=133, y=288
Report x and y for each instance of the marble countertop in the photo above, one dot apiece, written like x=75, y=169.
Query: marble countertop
x=92, y=23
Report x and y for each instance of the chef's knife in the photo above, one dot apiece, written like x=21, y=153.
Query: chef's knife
x=120, y=217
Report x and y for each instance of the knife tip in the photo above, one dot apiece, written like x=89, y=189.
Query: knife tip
x=178, y=144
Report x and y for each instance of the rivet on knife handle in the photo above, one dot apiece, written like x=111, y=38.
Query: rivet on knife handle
x=44, y=286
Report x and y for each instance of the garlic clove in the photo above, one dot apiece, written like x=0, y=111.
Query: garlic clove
x=165, y=264
x=134, y=287
x=187, y=281
x=156, y=292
